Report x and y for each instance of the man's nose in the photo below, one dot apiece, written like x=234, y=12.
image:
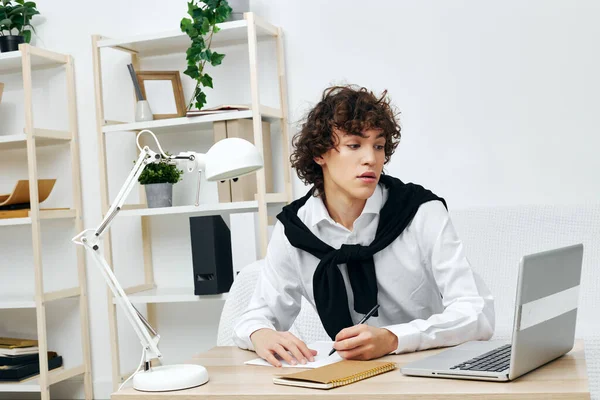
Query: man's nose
x=368, y=156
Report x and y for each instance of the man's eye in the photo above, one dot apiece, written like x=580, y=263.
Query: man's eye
x=354, y=146
x=379, y=147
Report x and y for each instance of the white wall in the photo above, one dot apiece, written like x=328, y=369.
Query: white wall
x=498, y=104
x=499, y=100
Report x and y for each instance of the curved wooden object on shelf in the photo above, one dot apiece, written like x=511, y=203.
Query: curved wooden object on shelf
x=20, y=193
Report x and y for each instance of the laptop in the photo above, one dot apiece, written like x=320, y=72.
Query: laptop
x=543, y=329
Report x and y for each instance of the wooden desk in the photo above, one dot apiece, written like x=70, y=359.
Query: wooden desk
x=565, y=378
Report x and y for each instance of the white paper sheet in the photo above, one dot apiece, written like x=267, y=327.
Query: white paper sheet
x=321, y=359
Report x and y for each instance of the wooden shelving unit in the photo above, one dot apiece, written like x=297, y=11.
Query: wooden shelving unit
x=25, y=60
x=248, y=31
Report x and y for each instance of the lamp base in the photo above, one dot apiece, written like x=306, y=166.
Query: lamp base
x=170, y=377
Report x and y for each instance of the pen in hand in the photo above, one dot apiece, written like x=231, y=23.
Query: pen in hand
x=362, y=321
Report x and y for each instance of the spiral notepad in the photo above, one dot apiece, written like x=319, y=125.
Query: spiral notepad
x=339, y=374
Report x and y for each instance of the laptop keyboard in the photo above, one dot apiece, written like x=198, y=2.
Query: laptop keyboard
x=493, y=361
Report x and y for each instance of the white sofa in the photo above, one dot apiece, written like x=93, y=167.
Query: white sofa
x=495, y=239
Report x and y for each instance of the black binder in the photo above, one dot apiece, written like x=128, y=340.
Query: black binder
x=211, y=255
x=15, y=373
x=23, y=358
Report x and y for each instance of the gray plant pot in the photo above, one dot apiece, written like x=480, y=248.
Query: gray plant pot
x=159, y=195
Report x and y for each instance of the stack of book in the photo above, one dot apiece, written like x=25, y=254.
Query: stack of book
x=19, y=359
x=217, y=110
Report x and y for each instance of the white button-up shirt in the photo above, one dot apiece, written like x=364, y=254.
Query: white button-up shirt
x=428, y=294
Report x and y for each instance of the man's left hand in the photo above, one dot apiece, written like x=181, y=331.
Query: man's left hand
x=364, y=342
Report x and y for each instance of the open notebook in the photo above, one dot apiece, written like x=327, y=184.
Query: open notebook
x=334, y=375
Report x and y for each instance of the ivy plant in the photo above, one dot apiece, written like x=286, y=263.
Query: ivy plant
x=200, y=28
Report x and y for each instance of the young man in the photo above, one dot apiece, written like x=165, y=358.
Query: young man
x=361, y=238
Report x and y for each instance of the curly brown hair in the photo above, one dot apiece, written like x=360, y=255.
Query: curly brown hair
x=351, y=109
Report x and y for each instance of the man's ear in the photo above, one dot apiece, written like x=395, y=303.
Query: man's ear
x=319, y=160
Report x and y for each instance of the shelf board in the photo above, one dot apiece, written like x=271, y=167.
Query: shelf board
x=201, y=210
x=19, y=141
x=44, y=214
x=17, y=301
x=175, y=41
x=171, y=295
x=29, y=385
x=187, y=124
x=28, y=300
x=11, y=62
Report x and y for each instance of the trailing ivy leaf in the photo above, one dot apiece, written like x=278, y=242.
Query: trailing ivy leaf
x=216, y=58
x=206, y=80
x=191, y=8
x=205, y=25
x=199, y=41
x=200, y=100
x=222, y=13
x=212, y=3
x=206, y=55
x=194, y=51
x=198, y=13
x=192, y=71
x=185, y=25
x=211, y=18
x=188, y=27
x=191, y=54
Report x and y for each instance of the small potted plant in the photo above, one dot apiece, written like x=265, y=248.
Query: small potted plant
x=158, y=180
x=15, y=23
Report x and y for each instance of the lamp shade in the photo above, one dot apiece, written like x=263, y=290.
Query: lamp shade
x=231, y=158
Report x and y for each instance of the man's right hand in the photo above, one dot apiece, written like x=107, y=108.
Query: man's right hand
x=268, y=343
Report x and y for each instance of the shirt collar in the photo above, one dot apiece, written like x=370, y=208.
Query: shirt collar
x=319, y=211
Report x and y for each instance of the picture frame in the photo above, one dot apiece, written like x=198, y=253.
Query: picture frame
x=174, y=78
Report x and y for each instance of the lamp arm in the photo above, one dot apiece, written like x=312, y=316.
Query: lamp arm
x=137, y=321
x=91, y=243
x=146, y=157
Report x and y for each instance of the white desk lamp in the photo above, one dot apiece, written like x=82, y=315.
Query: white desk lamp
x=226, y=159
